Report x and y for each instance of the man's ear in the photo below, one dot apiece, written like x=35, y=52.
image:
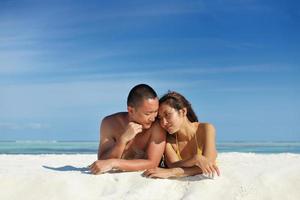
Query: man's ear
x=130, y=109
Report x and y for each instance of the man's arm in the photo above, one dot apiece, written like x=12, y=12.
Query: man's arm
x=155, y=150
x=114, y=148
x=156, y=146
x=108, y=146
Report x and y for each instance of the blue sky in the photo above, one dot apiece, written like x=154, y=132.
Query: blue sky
x=64, y=65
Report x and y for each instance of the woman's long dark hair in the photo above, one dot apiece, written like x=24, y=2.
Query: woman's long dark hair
x=177, y=101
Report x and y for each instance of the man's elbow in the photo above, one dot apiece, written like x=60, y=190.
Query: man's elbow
x=102, y=155
x=98, y=154
x=153, y=164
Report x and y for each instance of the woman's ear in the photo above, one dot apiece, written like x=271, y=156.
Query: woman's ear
x=183, y=112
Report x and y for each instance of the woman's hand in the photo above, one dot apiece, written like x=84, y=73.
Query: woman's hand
x=160, y=173
x=208, y=168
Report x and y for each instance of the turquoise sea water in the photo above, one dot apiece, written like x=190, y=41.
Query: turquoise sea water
x=90, y=147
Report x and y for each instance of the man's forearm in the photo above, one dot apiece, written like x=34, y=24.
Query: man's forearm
x=134, y=165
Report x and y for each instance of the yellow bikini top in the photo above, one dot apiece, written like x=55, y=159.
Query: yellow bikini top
x=199, y=150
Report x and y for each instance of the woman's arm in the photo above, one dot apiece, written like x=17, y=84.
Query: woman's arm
x=187, y=171
x=206, y=161
x=172, y=172
x=209, y=149
x=172, y=160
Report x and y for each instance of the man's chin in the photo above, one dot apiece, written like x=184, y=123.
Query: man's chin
x=146, y=126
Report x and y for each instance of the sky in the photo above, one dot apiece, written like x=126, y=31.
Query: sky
x=66, y=64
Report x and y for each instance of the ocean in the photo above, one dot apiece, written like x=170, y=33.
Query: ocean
x=90, y=147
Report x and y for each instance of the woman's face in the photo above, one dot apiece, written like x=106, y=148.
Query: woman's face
x=169, y=118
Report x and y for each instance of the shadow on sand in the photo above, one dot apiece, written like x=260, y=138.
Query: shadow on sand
x=84, y=170
x=199, y=177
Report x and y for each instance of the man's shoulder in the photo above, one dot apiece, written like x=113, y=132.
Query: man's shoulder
x=156, y=127
x=157, y=133
x=115, y=118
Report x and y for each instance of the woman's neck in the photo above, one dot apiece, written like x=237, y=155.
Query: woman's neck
x=187, y=131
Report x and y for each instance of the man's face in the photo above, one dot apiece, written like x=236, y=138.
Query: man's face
x=146, y=113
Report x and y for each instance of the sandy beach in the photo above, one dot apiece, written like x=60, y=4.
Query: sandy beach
x=243, y=176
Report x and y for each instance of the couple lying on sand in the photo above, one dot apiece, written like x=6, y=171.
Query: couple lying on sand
x=155, y=130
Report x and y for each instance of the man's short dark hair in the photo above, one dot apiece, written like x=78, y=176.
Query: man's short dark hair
x=138, y=93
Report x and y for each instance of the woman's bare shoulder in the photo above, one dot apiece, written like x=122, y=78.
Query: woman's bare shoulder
x=206, y=128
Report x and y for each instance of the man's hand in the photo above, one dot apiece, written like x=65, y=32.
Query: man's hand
x=131, y=131
x=102, y=166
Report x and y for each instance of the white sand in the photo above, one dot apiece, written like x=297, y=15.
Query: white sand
x=244, y=176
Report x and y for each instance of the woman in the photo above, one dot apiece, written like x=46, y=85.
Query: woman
x=190, y=147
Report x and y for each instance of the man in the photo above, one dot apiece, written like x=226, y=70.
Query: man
x=133, y=140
